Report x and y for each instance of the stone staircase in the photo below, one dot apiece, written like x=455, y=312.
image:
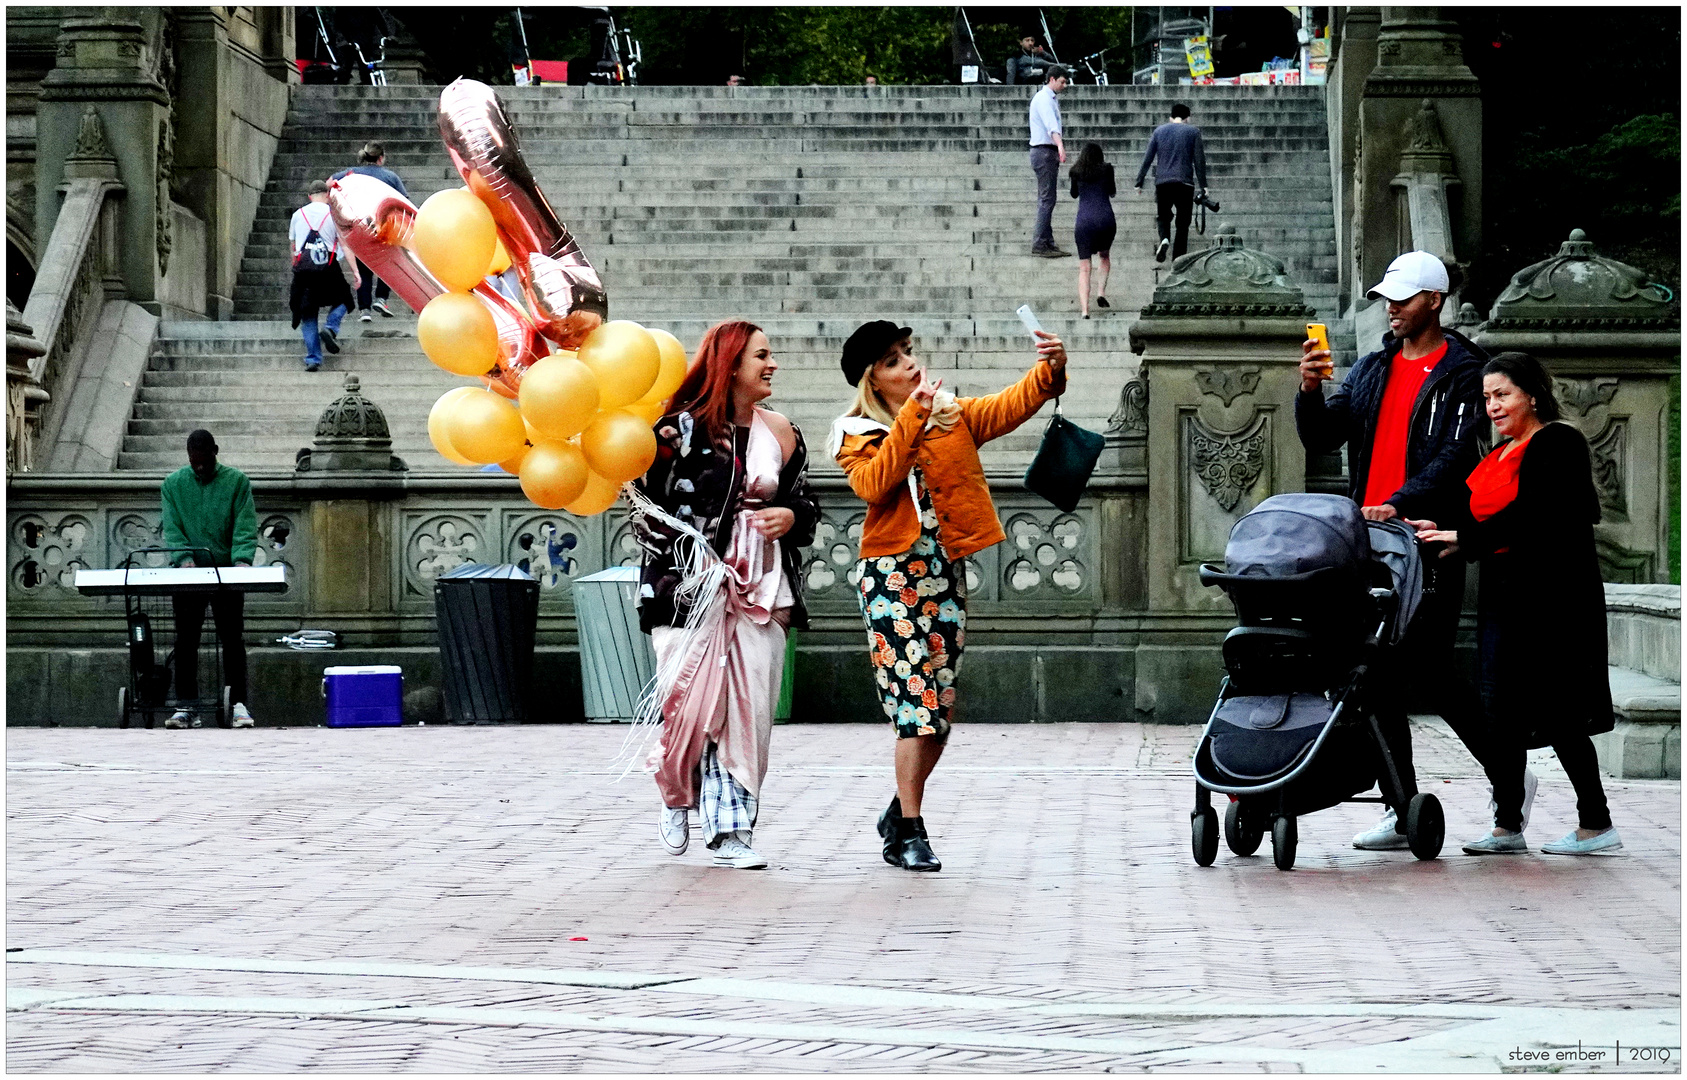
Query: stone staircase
x=804, y=209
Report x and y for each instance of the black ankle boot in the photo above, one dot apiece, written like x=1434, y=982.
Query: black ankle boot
x=888, y=823
x=913, y=850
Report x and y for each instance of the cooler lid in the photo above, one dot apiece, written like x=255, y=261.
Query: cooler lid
x=366, y=669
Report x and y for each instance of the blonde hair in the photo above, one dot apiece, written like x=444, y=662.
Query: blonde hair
x=870, y=403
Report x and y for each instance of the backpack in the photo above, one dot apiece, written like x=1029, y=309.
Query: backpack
x=316, y=253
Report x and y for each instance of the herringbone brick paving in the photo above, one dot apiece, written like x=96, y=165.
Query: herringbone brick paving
x=214, y=901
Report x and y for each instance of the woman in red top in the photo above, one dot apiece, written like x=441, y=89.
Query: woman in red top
x=1540, y=611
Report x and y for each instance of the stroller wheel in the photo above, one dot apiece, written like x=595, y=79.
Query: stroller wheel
x=1426, y=825
x=1203, y=835
x=1242, y=837
x=1285, y=835
x=122, y=706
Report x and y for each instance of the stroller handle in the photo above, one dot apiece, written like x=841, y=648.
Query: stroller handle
x=1211, y=575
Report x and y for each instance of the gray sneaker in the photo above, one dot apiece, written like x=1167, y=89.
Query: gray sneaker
x=1599, y=844
x=673, y=826
x=1383, y=836
x=735, y=851
x=181, y=718
x=1507, y=844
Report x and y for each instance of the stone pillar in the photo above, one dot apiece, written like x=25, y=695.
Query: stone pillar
x=24, y=395
x=1352, y=58
x=1220, y=347
x=352, y=457
x=1419, y=58
x=1612, y=340
x=111, y=61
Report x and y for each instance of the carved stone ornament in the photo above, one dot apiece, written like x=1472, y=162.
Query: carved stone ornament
x=1580, y=397
x=1426, y=147
x=90, y=139
x=163, y=218
x=1227, y=384
x=1227, y=280
x=1609, y=451
x=1131, y=417
x=351, y=434
x=1578, y=289
x=1228, y=464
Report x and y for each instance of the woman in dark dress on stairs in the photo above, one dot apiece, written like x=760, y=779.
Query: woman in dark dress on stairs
x=1093, y=187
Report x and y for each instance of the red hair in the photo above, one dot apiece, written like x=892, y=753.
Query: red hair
x=706, y=392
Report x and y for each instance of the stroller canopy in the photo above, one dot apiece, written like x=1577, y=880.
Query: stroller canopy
x=1295, y=534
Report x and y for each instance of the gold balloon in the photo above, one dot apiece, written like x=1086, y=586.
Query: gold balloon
x=513, y=465
x=626, y=360
x=485, y=428
x=649, y=411
x=455, y=238
x=618, y=445
x=673, y=369
x=500, y=261
x=554, y=474
x=559, y=396
x=458, y=333
x=437, y=417
x=600, y=495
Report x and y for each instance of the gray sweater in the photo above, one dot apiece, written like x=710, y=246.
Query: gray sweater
x=1182, y=156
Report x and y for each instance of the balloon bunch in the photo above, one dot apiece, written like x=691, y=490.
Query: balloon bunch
x=499, y=280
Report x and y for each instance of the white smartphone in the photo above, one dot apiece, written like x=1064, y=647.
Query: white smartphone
x=1029, y=318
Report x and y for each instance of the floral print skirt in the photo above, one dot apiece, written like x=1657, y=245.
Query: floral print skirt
x=915, y=605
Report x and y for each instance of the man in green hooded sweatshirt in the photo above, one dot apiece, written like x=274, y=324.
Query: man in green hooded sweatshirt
x=209, y=507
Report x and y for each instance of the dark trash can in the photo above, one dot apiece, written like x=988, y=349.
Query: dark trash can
x=488, y=617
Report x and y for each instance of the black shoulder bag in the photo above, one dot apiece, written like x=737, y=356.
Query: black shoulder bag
x=1064, y=461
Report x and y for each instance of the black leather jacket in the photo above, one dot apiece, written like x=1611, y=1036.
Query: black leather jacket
x=1448, y=427
x=699, y=481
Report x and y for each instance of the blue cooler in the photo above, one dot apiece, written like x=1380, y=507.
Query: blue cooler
x=371, y=696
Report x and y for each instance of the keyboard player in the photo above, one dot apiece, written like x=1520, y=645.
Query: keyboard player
x=209, y=506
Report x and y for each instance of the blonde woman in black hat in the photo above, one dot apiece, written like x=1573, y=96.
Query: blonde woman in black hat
x=910, y=450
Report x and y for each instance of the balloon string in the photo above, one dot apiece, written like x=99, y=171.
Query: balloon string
x=702, y=574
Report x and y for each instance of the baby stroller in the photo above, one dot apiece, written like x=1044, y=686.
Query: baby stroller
x=1323, y=597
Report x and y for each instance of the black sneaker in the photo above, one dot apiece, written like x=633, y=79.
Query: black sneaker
x=1101, y=301
x=330, y=340
x=1051, y=253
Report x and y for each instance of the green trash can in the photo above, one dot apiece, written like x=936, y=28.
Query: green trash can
x=617, y=659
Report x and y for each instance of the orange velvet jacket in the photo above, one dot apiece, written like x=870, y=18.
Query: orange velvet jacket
x=878, y=463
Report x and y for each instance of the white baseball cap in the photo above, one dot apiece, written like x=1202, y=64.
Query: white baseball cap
x=1410, y=274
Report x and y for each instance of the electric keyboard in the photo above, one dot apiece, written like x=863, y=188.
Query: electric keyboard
x=167, y=580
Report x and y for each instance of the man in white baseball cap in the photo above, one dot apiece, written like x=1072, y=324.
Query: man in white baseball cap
x=1411, y=417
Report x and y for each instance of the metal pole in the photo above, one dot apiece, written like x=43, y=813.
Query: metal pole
x=521, y=26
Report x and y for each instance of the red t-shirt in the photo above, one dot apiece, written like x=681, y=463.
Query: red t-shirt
x=1387, y=472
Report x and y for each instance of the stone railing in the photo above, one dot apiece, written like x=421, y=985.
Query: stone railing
x=1057, y=612
x=1643, y=633
x=79, y=267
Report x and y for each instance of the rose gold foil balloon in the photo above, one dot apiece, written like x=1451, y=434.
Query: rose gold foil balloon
x=562, y=289
x=376, y=222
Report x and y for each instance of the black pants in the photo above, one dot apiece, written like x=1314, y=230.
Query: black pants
x=1424, y=662
x=1180, y=198
x=1575, y=752
x=228, y=610
x=370, y=283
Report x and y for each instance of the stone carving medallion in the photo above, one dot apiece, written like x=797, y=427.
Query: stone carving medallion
x=1227, y=464
x=1131, y=417
x=1227, y=384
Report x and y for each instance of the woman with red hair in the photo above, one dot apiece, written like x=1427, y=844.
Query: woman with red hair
x=733, y=475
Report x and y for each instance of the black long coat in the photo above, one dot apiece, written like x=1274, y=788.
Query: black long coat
x=1541, y=604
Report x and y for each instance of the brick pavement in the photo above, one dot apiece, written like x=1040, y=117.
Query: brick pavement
x=408, y=900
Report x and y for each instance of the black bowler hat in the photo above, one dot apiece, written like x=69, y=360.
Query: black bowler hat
x=868, y=344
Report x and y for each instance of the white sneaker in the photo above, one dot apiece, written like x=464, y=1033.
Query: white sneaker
x=1382, y=836
x=1530, y=783
x=735, y=852
x=364, y=316
x=675, y=829
x=242, y=718
x=181, y=718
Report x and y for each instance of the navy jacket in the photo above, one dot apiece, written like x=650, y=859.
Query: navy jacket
x=1182, y=156
x=1448, y=428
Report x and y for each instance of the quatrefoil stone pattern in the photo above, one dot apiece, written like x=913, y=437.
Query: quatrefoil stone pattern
x=1045, y=556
